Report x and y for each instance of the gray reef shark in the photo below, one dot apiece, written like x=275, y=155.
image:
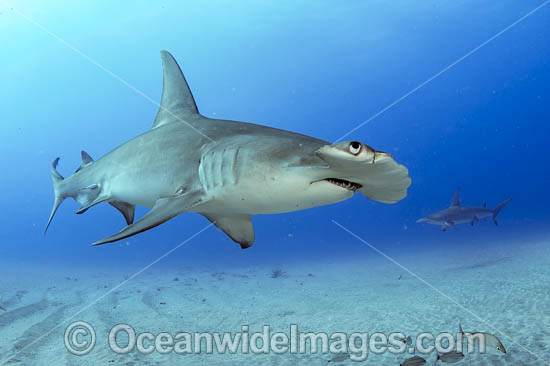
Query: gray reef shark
x=458, y=214
x=223, y=170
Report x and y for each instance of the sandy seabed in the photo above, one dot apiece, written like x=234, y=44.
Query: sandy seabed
x=502, y=289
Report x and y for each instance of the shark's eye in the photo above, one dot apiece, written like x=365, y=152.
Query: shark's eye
x=355, y=147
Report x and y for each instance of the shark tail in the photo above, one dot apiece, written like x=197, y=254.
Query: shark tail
x=498, y=208
x=59, y=196
x=87, y=195
x=72, y=187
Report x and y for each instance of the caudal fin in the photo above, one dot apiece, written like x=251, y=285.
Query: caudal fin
x=498, y=208
x=58, y=196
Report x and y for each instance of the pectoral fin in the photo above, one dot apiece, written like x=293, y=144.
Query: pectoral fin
x=238, y=227
x=164, y=210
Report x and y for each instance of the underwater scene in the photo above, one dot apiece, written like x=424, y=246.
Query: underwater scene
x=288, y=182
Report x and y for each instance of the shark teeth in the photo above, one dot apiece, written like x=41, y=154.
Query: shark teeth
x=344, y=183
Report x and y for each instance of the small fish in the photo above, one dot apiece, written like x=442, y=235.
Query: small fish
x=491, y=340
x=450, y=357
x=340, y=357
x=2, y=308
x=414, y=361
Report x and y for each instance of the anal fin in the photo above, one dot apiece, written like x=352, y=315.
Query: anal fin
x=237, y=226
x=126, y=209
x=163, y=210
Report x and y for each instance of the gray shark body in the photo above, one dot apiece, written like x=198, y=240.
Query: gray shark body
x=458, y=214
x=224, y=170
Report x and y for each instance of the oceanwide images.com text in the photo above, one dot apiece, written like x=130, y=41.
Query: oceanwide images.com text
x=80, y=339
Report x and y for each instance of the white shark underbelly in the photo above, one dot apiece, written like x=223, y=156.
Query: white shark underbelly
x=275, y=197
x=142, y=193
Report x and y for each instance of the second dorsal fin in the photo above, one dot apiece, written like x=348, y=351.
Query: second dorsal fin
x=86, y=160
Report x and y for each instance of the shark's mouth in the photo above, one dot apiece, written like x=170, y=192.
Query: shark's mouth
x=352, y=186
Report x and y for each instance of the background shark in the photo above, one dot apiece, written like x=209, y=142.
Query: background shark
x=224, y=170
x=458, y=214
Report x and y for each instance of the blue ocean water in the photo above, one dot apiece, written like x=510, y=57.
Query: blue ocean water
x=315, y=69
x=79, y=75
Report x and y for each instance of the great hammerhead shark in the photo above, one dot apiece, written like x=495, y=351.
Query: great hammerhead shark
x=223, y=170
x=458, y=214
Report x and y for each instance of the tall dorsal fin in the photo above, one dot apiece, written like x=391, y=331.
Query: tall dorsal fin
x=177, y=102
x=456, y=199
x=86, y=160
